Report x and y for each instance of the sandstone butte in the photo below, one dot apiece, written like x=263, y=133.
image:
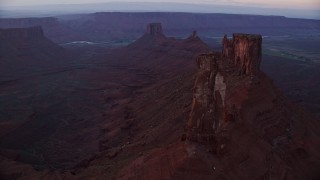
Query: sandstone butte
x=240, y=126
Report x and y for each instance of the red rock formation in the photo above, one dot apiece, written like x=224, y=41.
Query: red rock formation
x=228, y=49
x=256, y=133
x=202, y=124
x=209, y=109
x=244, y=51
x=154, y=29
x=252, y=130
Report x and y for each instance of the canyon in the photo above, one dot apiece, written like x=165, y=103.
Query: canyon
x=105, y=26
x=288, y=43
x=159, y=108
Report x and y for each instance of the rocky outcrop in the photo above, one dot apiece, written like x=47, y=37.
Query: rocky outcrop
x=237, y=112
x=240, y=126
x=22, y=33
x=154, y=29
x=244, y=51
x=211, y=107
x=202, y=122
x=228, y=49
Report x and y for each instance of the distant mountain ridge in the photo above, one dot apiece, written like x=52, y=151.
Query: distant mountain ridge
x=103, y=26
x=60, y=9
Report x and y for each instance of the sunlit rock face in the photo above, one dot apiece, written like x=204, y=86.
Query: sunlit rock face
x=244, y=51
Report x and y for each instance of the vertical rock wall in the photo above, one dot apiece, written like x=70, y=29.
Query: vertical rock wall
x=202, y=120
x=209, y=109
x=244, y=51
x=228, y=50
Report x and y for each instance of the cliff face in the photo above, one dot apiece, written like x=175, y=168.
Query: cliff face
x=202, y=123
x=22, y=33
x=233, y=97
x=23, y=50
x=241, y=56
x=244, y=51
x=52, y=27
x=17, y=41
x=230, y=87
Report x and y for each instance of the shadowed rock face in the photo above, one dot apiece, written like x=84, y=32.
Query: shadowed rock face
x=244, y=51
x=154, y=29
x=25, y=50
x=18, y=33
x=201, y=124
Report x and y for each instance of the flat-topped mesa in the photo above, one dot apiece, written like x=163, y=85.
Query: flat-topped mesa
x=244, y=51
x=154, y=29
x=202, y=122
x=22, y=33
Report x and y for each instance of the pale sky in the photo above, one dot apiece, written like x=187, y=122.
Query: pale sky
x=292, y=4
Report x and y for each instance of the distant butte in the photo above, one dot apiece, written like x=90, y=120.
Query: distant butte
x=154, y=29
